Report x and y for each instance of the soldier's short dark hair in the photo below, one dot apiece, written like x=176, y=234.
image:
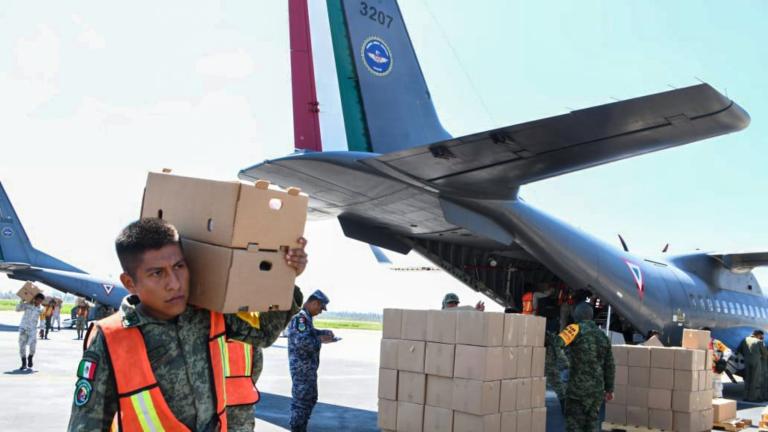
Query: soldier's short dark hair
x=39, y=296
x=141, y=236
x=757, y=333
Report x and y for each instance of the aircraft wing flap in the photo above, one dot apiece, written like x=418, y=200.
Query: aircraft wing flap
x=540, y=149
x=742, y=262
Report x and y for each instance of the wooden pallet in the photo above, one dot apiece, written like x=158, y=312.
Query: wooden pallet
x=735, y=424
x=627, y=428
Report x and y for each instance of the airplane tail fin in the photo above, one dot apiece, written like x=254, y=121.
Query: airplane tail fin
x=385, y=101
x=15, y=246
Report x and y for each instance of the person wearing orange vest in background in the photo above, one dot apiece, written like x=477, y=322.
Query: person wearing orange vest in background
x=48, y=313
x=721, y=354
x=158, y=363
x=531, y=299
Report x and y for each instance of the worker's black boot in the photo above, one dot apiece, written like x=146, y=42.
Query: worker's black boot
x=23, y=363
x=29, y=362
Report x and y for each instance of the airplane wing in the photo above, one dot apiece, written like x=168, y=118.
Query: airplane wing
x=10, y=267
x=524, y=153
x=742, y=262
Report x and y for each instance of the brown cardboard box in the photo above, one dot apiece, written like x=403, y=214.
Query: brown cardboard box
x=509, y=356
x=709, y=360
x=463, y=422
x=663, y=358
x=410, y=356
x=524, y=420
x=441, y=326
x=411, y=387
x=524, y=359
x=388, y=384
x=387, y=414
x=478, y=363
x=688, y=359
x=393, y=322
x=660, y=399
x=639, y=377
x=688, y=421
x=660, y=419
x=524, y=393
x=620, y=355
x=440, y=391
x=514, y=325
x=537, y=361
x=437, y=419
x=620, y=394
x=476, y=397
x=622, y=375
x=389, y=353
x=414, y=325
x=479, y=328
x=696, y=339
x=707, y=419
x=662, y=379
x=28, y=291
x=508, y=400
x=723, y=409
x=226, y=213
x=637, y=416
x=637, y=396
x=615, y=413
x=538, y=392
x=410, y=417
x=638, y=356
x=685, y=401
x=538, y=420
x=233, y=280
x=439, y=359
x=705, y=382
x=533, y=335
x=705, y=400
x=509, y=421
x=686, y=380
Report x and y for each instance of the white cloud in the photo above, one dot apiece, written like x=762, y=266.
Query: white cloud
x=38, y=57
x=230, y=65
x=88, y=37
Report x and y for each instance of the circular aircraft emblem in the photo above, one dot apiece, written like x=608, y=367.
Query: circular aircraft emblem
x=376, y=56
x=7, y=232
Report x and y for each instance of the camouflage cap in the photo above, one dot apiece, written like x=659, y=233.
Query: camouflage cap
x=450, y=298
x=321, y=297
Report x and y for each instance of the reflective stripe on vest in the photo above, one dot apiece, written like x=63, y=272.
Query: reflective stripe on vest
x=240, y=387
x=141, y=405
x=528, y=303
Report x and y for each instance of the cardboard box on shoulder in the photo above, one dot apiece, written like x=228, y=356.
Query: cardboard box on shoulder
x=28, y=291
x=437, y=419
x=234, y=236
x=696, y=339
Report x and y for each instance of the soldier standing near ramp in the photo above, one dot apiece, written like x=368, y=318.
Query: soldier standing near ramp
x=304, y=343
x=591, y=373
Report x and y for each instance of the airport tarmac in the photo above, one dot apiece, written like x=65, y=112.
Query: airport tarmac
x=348, y=379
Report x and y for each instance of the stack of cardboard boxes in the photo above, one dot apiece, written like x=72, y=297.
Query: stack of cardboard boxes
x=666, y=388
x=234, y=237
x=458, y=371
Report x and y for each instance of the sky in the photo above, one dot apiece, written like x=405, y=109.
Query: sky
x=94, y=95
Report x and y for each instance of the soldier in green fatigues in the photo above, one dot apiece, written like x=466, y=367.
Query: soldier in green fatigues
x=554, y=364
x=175, y=335
x=591, y=373
x=754, y=351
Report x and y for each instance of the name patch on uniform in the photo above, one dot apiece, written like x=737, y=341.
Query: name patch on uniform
x=83, y=391
x=302, y=325
x=86, y=369
x=569, y=333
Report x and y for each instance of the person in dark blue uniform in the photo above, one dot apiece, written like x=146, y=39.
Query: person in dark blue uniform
x=304, y=342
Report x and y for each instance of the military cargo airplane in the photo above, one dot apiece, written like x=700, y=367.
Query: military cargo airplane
x=21, y=261
x=406, y=184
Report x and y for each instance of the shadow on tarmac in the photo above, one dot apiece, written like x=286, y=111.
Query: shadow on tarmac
x=9, y=328
x=20, y=372
x=276, y=409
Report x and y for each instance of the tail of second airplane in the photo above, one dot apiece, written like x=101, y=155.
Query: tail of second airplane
x=385, y=101
x=15, y=247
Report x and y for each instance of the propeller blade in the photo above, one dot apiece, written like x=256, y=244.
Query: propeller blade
x=666, y=248
x=623, y=243
x=381, y=257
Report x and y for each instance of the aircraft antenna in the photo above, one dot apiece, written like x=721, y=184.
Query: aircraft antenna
x=461, y=65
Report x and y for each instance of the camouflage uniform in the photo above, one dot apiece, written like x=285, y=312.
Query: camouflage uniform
x=591, y=374
x=303, y=359
x=179, y=356
x=754, y=351
x=27, y=327
x=555, y=362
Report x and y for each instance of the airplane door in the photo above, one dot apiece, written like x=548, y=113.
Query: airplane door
x=678, y=302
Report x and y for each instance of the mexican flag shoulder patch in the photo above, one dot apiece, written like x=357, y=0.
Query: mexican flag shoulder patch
x=86, y=369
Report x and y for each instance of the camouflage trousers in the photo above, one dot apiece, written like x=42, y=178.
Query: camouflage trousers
x=27, y=337
x=240, y=418
x=753, y=381
x=581, y=415
x=304, y=398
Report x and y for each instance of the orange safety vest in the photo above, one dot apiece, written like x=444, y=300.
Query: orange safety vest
x=240, y=387
x=142, y=406
x=528, y=304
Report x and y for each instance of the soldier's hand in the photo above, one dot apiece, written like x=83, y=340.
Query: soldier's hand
x=297, y=257
x=480, y=306
x=326, y=338
x=608, y=396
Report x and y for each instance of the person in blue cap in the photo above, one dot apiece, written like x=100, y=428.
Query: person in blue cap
x=304, y=342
